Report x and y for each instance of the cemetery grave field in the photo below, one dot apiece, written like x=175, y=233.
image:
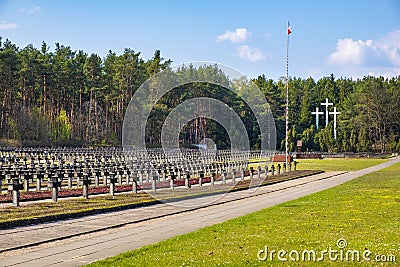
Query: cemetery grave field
x=76, y=207
x=106, y=179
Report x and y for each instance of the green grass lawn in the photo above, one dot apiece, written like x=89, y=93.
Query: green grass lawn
x=330, y=164
x=365, y=212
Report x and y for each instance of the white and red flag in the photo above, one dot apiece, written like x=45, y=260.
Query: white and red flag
x=289, y=31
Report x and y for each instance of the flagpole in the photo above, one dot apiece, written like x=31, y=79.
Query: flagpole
x=287, y=95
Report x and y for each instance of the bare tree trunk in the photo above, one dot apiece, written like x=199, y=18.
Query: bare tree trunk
x=96, y=115
x=80, y=113
x=44, y=94
x=71, y=115
x=23, y=96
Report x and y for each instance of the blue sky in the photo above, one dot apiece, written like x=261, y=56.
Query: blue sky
x=347, y=38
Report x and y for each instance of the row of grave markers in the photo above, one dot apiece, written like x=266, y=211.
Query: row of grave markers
x=135, y=178
x=327, y=113
x=56, y=169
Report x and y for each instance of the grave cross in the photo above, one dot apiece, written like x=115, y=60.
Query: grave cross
x=326, y=104
x=317, y=113
x=334, y=113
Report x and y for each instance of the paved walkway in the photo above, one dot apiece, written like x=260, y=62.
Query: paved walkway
x=113, y=233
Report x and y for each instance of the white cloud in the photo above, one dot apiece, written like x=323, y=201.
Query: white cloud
x=4, y=25
x=250, y=54
x=238, y=36
x=349, y=51
x=30, y=10
x=383, y=52
x=390, y=45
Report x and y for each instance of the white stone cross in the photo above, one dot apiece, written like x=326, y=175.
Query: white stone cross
x=326, y=104
x=317, y=113
x=334, y=113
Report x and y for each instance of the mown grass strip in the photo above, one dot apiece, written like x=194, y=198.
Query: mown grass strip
x=335, y=164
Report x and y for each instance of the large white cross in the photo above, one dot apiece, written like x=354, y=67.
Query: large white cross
x=317, y=113
x=334, y=113
x=326, y=104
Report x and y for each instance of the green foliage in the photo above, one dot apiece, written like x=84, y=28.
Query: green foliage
x=369, y=119
x=62, y=129
x=324, y=138
x=308, y=139
x=363, y=141
x=35, y=127
x=292, y=142
x=38, y=85
x=353, y=141
x=12, y=132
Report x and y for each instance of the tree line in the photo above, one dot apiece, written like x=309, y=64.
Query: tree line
x=67, y=97
x=369, y=118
